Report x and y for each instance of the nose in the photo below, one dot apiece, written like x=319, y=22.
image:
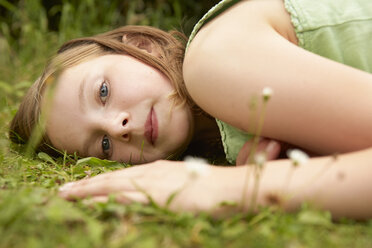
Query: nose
x=119, y=127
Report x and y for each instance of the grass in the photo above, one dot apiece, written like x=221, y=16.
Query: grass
x=31, y=213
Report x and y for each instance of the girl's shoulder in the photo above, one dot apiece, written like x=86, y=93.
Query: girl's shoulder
x=243, y=16
x=236, y=24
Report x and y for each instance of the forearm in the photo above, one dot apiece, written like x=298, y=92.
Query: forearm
x=342, y=185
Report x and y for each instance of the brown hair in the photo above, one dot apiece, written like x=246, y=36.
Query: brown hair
x=170, y=48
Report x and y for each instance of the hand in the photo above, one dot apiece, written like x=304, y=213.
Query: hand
x=270, y=148
x=160, y=180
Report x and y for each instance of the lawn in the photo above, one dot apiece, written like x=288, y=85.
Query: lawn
x=32, y=214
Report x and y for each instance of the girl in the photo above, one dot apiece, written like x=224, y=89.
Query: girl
x=134, y=95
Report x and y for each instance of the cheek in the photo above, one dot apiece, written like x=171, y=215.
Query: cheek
x=184, y=127
x=127, y=154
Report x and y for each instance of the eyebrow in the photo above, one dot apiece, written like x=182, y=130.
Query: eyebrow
x=82, y=96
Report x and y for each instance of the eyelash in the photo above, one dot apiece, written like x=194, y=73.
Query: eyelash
x=103, y=86
x=105, y=149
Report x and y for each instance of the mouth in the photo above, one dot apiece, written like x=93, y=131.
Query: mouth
x=151, y=127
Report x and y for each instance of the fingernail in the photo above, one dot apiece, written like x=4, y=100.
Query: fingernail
x=271, y=146
x=66, y=186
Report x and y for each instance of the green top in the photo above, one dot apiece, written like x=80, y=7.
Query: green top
x=340, y=30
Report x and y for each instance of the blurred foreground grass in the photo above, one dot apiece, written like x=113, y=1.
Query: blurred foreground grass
x=31, y=214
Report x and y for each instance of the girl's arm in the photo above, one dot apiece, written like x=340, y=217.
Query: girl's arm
x=341, y=185
x=318, y=104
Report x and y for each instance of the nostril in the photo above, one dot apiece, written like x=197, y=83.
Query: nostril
x=125, y=136
x=125, y=122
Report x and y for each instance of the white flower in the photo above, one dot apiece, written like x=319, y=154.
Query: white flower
x=260, y=158
x=267, y=92
x=196, y=166
x=297, y=156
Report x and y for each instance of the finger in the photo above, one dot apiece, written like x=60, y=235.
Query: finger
x=95, y=199
x=123, y=198
x=102, y=184
x=244, y=153
x=89, y=187
x=270, y=149
x=130, y=197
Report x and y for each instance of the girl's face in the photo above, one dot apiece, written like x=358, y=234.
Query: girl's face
x=118, y=108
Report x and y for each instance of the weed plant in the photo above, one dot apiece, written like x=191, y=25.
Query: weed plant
x=31, y=213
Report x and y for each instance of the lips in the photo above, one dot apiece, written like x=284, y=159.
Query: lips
x=151, y=127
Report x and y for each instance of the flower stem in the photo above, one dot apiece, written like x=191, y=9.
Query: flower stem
x=257, y=168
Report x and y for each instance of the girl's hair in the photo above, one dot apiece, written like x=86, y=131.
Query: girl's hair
x=168, y=59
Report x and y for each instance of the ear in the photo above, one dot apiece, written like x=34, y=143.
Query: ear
x=140, y=42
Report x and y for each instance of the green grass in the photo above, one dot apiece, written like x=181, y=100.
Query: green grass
x=31, y=213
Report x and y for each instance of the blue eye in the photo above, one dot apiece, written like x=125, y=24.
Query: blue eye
x=103, y=92
x=105, y=144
